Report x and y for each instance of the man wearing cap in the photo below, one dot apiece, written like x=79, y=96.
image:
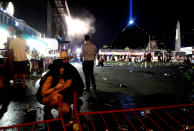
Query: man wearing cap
x=88, y=54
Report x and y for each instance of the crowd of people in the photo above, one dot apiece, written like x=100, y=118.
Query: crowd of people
x=146, y=58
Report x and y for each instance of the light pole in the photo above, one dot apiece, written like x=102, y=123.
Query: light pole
x=149, y=42
x=149, y=37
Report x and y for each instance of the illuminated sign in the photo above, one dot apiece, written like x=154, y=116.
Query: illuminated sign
x=19, y=24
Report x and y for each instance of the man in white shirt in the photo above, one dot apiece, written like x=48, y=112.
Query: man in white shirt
x=18, y=47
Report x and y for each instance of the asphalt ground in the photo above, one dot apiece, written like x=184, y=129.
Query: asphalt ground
x=118, y=87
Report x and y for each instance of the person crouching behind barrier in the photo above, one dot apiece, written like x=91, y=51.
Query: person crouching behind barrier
x=55, y=83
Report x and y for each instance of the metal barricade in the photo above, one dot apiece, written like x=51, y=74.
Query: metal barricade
x=165, y=118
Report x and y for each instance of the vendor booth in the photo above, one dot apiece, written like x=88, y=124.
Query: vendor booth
x=10, y=24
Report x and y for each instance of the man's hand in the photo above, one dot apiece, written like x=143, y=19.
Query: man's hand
x=60, y=84
x=62, y=81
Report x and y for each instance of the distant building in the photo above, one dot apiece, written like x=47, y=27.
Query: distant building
x=133, y=37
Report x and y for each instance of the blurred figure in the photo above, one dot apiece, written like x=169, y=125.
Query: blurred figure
x=159, y=58
x=18, y=48
x=41, y=64
x=9, y=54
x=187, y=61
x=88, y=53
x=34, y=61
x=144, y=60
x=101, y=61
x=148, y=60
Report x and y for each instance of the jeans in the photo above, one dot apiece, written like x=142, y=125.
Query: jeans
x=88, y=69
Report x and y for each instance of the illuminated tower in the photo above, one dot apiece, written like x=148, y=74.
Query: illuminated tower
x=131, y=21
x=178, y=37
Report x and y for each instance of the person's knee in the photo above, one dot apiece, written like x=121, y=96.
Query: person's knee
x=58, y=97
x=64, y=108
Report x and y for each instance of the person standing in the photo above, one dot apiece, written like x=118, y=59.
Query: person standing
x=148, y=60
x=88, y=54
x=18, y=48
x=10, y=55
x=34, y=61
x=143, y=60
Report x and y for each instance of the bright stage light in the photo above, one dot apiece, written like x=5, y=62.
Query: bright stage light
x=78, y=50
x=77, y=26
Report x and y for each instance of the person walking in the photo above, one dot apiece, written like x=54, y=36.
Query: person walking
x=18, y=48
x=88, y=54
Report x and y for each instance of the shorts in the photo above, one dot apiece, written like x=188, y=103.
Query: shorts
x=34, y=60
x=20, y=66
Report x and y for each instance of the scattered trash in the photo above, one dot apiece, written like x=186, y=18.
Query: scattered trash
x=106, y=104
x=186, y=127
x=113, y=101
x=11, y=81
x=167, y=75
x=75, y=127
x=104, y=78
x=181, y=67
x=123, y=86
x=145, y=111
x=55, y=113
x=142, y=113
x=185, y=109
x=123, y=129
x=141, y=128
x=121, y=64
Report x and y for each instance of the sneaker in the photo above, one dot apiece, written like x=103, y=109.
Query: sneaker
x=94, y=88
x=88, y=90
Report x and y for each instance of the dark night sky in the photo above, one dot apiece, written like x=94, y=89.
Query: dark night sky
x=154, y=16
